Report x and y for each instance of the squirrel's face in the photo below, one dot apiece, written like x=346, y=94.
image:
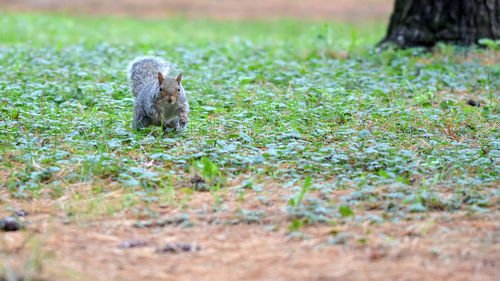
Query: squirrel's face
x=169, y=88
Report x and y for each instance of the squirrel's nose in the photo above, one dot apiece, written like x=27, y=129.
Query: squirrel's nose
x=169, y=100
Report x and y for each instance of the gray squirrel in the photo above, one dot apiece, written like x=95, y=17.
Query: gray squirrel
x=160, y=100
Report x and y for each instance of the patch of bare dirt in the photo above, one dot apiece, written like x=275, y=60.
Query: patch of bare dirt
x=218, y=244
x=357, y=10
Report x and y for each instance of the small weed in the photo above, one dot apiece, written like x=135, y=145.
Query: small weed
x=211, y=175
x=346, y=211
x=297, y=199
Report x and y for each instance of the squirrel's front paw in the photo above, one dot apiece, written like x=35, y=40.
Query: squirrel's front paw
x=183, y=119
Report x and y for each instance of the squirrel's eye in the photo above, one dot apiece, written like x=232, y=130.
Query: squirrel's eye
x=161, y=89
x=178, y=90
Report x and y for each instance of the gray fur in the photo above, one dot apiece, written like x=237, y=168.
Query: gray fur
x=150, y=108
x=143, y=71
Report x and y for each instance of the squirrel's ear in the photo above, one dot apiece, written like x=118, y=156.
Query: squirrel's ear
x=160, y=78
x=179, y=78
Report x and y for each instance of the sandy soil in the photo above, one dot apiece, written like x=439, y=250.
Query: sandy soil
x=441, y=246
x=223, y=9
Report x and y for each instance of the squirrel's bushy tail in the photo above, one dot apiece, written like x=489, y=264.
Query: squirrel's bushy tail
x=143, y=71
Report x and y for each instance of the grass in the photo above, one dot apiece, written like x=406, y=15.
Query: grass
x=299, y=96
x=272, y=103
x=151, y=35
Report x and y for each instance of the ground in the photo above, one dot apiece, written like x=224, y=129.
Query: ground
x=225, y=9
x=440, y=246
x=309, y=155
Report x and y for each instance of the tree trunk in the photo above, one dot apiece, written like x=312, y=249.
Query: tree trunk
x=424, y=23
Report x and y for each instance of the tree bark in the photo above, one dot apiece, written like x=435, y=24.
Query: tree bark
x=424, y=23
